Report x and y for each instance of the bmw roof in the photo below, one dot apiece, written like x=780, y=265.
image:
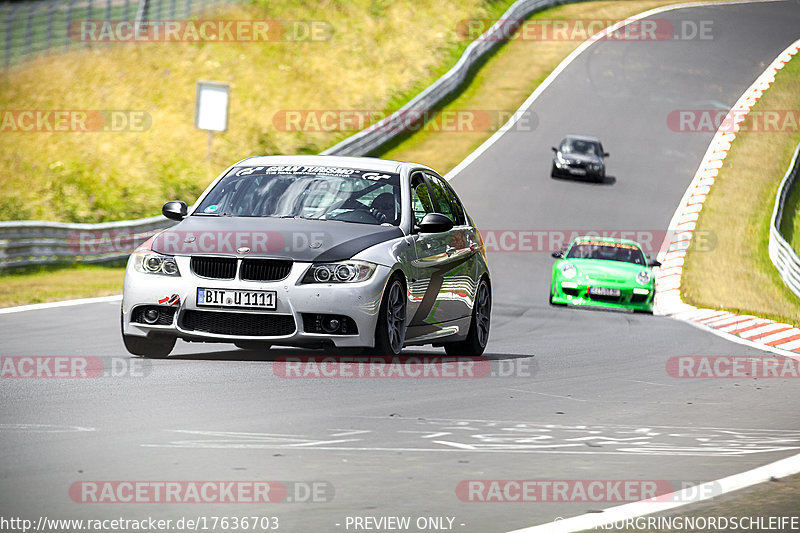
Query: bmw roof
x=583, y=138
x=365, y=163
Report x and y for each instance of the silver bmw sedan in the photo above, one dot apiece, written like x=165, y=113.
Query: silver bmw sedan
x=313, y=251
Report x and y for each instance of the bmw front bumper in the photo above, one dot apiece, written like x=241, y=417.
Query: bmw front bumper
x=181, y=317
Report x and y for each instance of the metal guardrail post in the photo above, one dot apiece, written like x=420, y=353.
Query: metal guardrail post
x=70, y=7
x=29, y=29
x=142, y=12
x=9, y=21
x=49, y=31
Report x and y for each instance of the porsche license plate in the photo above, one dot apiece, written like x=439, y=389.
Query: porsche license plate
x=604, y=291
x=237, y=298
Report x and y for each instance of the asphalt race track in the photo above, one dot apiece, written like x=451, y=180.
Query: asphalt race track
x=588, y=396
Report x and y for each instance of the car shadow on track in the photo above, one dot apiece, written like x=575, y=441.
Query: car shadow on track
x=607, y=180
x=280, y=354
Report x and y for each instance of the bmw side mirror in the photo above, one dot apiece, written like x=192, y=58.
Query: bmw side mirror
x=558, y=254
x=606, y=154
x=654, y=263
x=553, y=148
x=176, y=210
x=435, y=223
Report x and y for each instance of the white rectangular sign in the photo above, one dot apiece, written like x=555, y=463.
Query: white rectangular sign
x=211, y=111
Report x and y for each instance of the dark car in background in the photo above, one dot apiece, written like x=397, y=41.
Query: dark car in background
x=579, y=156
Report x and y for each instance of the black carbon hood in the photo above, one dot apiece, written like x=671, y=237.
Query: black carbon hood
x=297, y=239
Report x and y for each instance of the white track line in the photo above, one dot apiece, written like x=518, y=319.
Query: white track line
x=65, y=303
x=712, y=489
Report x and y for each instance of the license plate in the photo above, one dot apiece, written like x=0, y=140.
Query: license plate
x=604, y=291
x=237, y=298
x=577, y=171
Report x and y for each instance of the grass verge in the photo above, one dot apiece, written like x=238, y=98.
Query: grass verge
x=65, y=283
x=738, y=274
x=367, y=55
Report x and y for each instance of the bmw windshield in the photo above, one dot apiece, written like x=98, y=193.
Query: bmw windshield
x=311, y=192
x=578, y=146
x=610, y=251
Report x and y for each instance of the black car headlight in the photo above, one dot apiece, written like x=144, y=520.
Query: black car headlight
x=149, y=262
x=340, y=272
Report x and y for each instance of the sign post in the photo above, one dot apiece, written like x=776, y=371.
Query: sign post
x=211, y=108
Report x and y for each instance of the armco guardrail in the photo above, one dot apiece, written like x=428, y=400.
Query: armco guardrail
x=25, y=243
x=380, y=133
x=32, y=27
x=780, y=252
x=32, y=242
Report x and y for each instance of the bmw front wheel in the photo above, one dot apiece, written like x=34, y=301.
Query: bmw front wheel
x=390, y=333
x=152, y=348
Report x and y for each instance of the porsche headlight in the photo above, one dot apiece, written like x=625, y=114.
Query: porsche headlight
x=341, y=272
x=150, y=262
x=644, y=277
x=568, y=270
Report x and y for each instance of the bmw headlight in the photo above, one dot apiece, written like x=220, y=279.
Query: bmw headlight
x=150, y=262
x=644, y=277
x=341, y=272
x=594, y=166
x=568, y=270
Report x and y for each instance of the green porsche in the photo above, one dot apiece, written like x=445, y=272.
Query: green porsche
x=603, y=272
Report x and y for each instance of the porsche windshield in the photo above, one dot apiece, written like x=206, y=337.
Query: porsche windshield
x=610, y=251
x=322, y=193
